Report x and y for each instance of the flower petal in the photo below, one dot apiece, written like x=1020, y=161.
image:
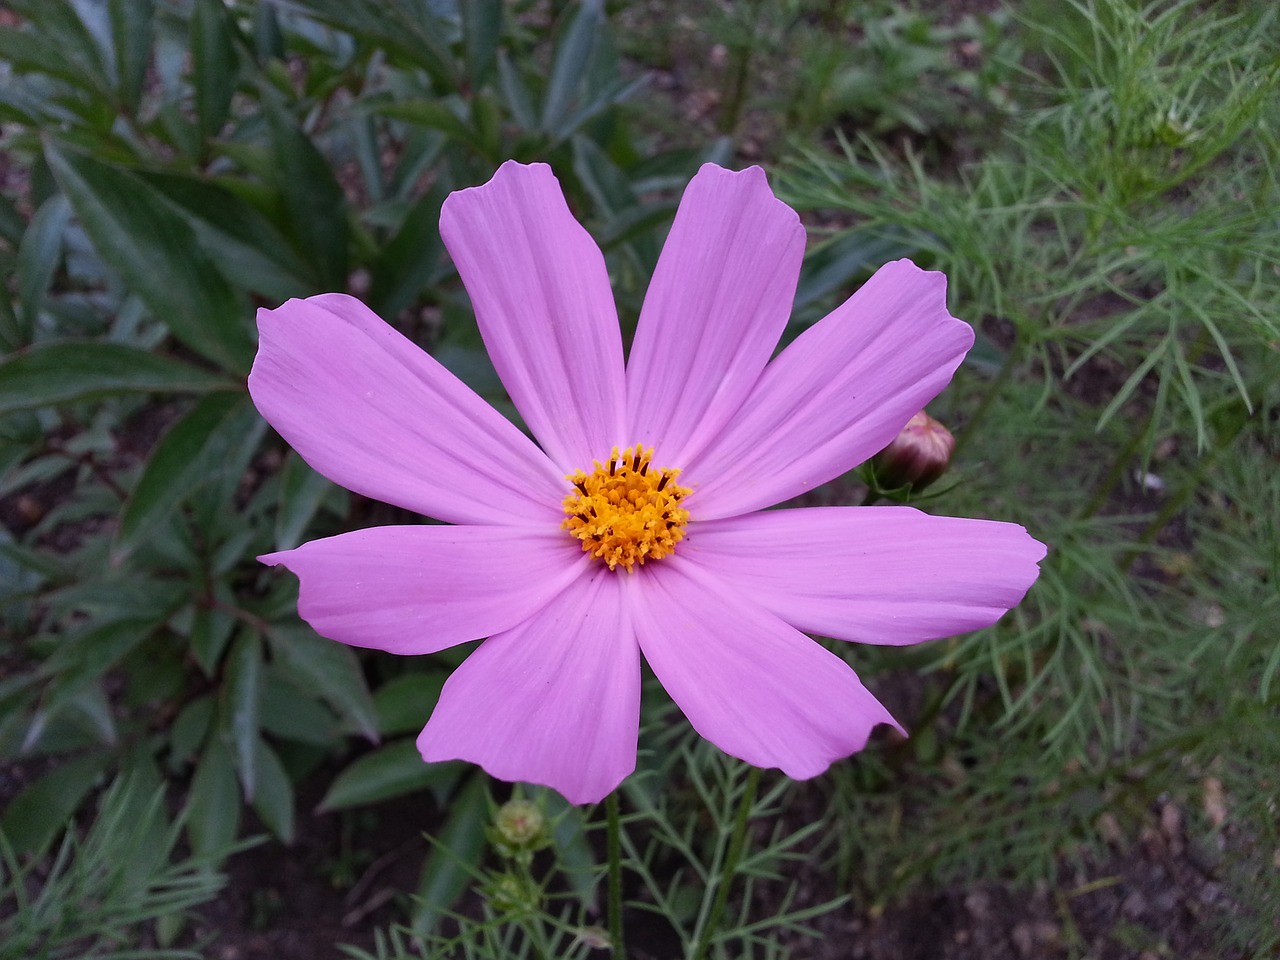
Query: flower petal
x=890, y=575
x=541, y=294
x=755, y=687
x=555, y=700
x=835, y=396
x=374, y=413
x=418, y=589
x=714, y=311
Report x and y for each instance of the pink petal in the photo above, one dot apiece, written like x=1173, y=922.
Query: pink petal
x=835, y=396
x=374, y=413
x=541, y=294
x=419, y=589
x=715, y=309
x=755, y=687
x=555, y=700
x=889, y=575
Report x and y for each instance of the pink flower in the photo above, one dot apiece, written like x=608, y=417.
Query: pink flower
x=576, y=555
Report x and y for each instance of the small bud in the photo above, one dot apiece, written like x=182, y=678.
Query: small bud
x=917, y=456
x=508, y=893
x=519, y=823
x=519, y=830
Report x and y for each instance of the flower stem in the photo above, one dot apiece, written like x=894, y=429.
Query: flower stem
x=615, y=875
x=736, y=846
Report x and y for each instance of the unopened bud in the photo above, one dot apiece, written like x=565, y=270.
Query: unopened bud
x=519, y=823
x=917, y=456
x=511, y=894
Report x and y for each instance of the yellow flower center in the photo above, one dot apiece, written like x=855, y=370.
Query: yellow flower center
x=626, y=511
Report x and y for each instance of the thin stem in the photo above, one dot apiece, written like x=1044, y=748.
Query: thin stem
x=1002, y=378
x=736, y=847
x=615, y=875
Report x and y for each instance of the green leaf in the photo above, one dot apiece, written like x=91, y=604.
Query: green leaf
x=55, y=373
x=301, y=492
x=244, y=243
x=82, y=659
x=436, y=115
x=155, y=252
x=404, y=703
x=191, y=454
x=190, y=729
x=569, y=67
x=131, y=23
x=211, y=628
x=447, y=873
x=38, y=257
x=213, y=807
x=274, y=799
x=38, y=814
x=413, y=260
x=850, y=255
x=244, y=701
x=76, y=55
x=314, y=204
x=293, y=713
x=481, y=31
x=390, y=771
x=331, y=669
x=213, y=55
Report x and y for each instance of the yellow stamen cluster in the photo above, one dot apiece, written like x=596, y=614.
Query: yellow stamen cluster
x=626, y=511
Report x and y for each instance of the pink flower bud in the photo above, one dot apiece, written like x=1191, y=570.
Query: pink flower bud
x=917, y=456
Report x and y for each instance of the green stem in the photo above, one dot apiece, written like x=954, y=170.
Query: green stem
x=1118, y=465
x=615, y=875
x=1011, y=360
x=736, y=846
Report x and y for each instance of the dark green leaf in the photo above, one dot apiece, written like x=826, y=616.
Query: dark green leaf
x=292, y=712
x=481, y=30
x=55, y=373
x=82, y=659
x=213, y=807
x=447, y=873
x=405, y=703
x=38, y=257
x=436, y=115
x=274, y=799
x=42, y=810
x=213, y=53
x=154, y=250
x=211, y=628
x=407, y=30
x=330, y=669
x=515, y=93
x=268, y=40
x=191, y=454
x=245, y=245
x=848, y=256
x=301, y=492
x=569, y=67
x=314, y=204
x=413, y=259
x=190, y=729
x=390, y=771
x=131, y=22
x=60, y=46
x=244, y=701
x=12, y=223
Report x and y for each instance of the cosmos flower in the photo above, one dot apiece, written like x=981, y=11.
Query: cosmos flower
x=636, y=524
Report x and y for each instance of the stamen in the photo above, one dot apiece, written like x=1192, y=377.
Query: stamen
x=622, y=515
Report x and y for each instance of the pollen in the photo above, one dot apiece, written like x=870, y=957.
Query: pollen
x=626, y=511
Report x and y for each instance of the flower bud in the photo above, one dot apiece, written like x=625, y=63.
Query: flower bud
x=519, y=823
x=917, y=456
x=508, y=893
